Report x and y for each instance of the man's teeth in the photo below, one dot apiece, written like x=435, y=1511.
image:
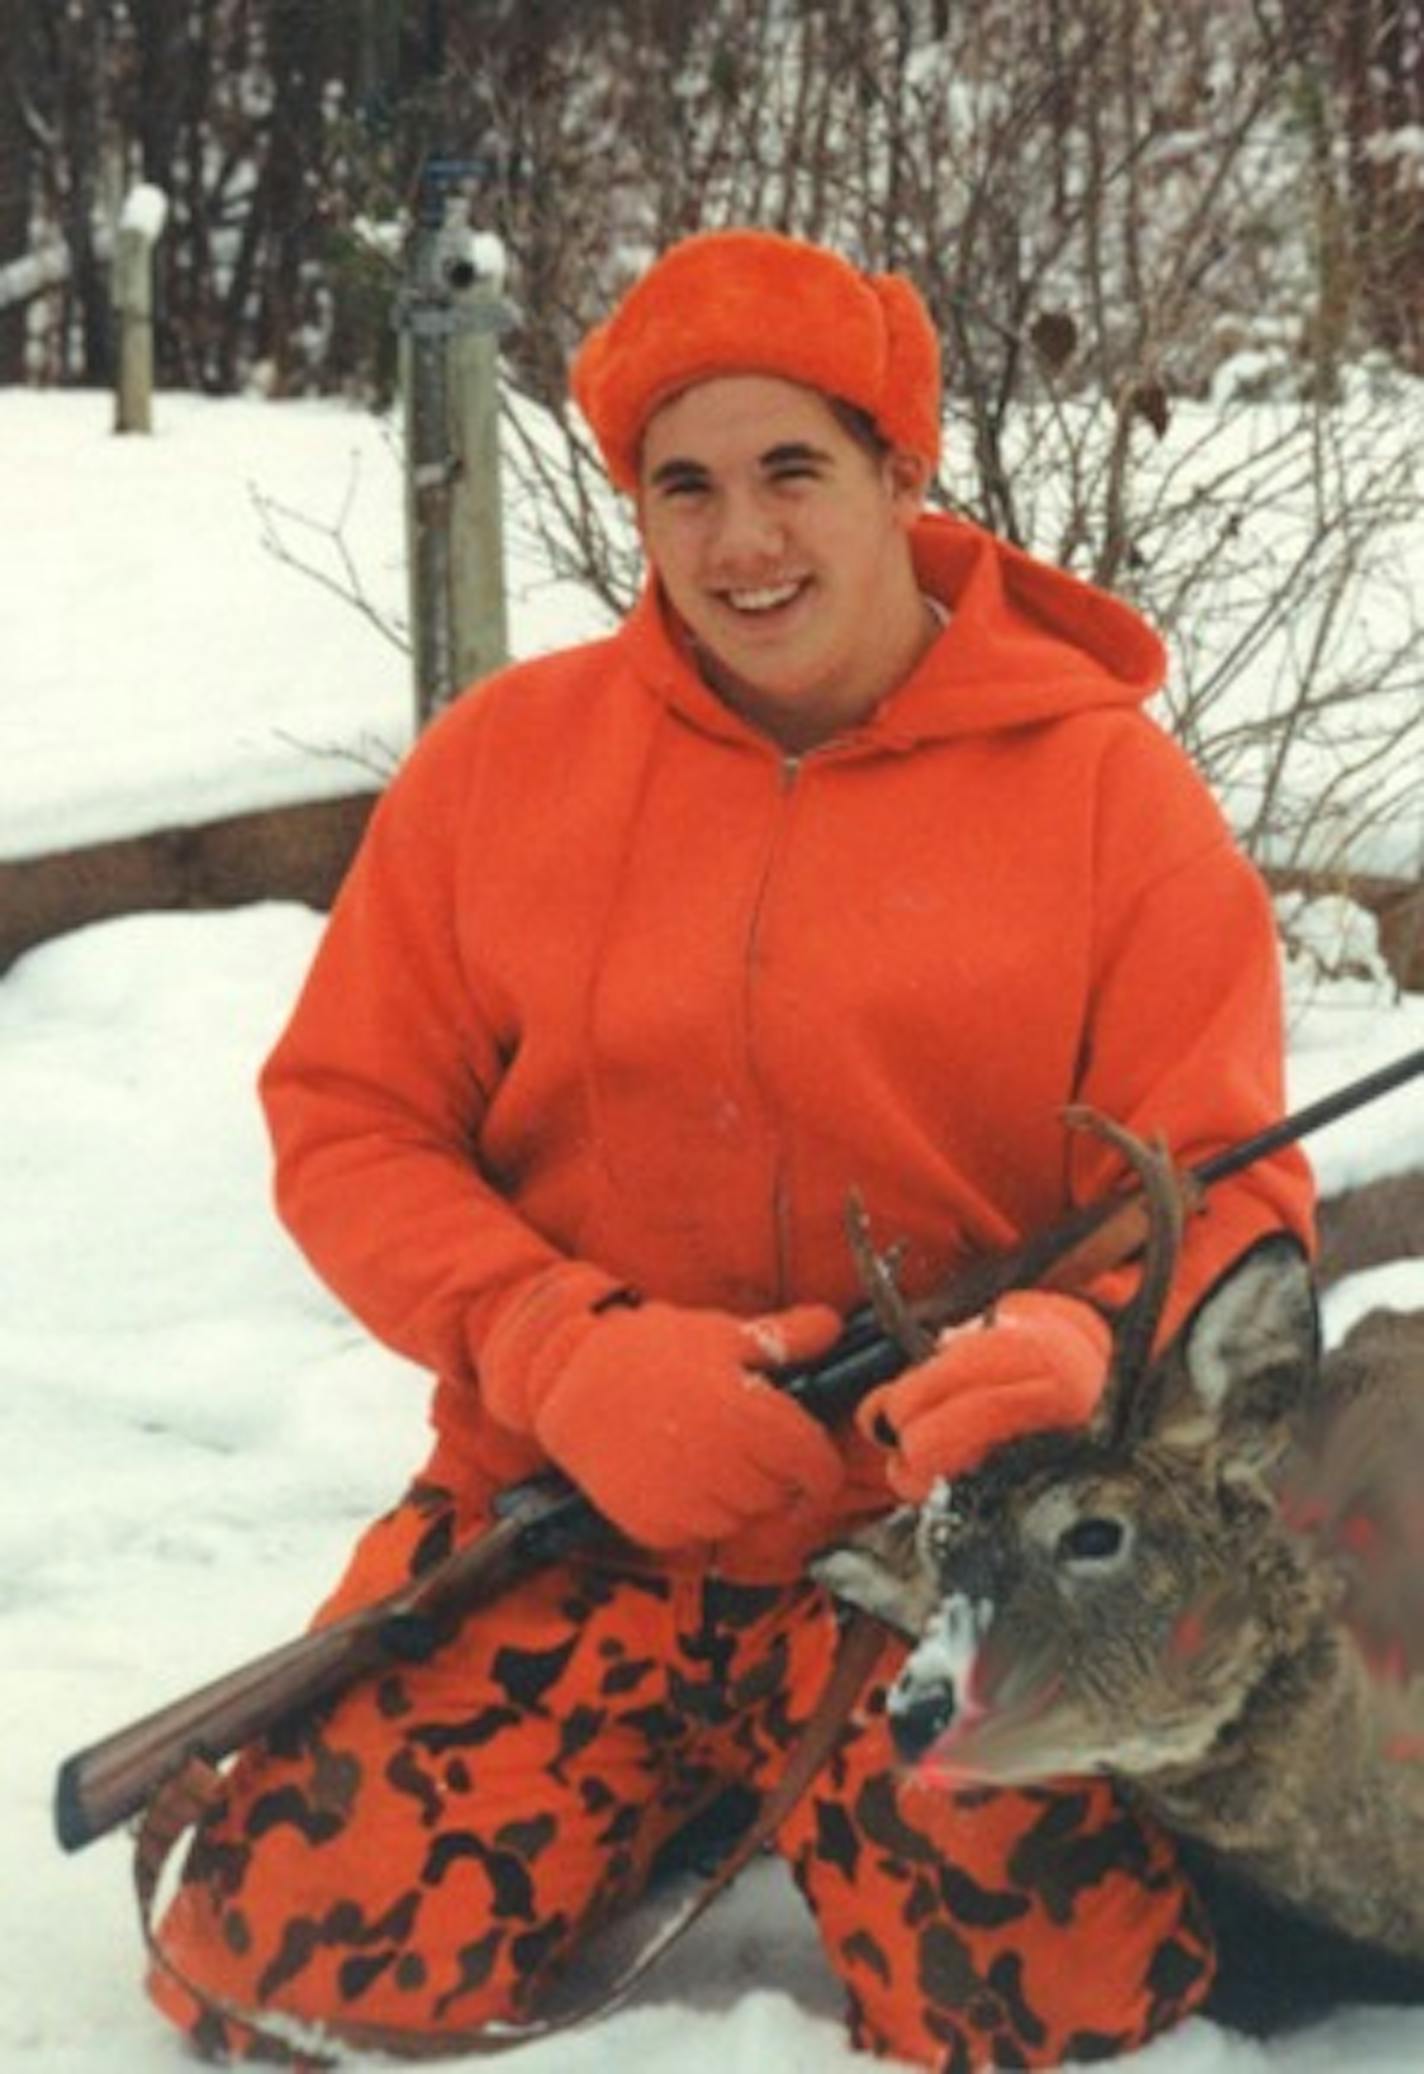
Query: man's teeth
x=763, y=600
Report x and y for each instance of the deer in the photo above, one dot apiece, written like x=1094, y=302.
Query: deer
x=1214, y=1594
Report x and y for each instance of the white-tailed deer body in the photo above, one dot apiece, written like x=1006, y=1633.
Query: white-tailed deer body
x=1216, y=1595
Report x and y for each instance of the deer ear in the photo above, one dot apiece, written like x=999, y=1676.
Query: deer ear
x=1249, y=1353
x=881, y=1570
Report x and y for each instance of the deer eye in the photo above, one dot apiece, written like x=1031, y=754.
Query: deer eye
x=1096, y=1539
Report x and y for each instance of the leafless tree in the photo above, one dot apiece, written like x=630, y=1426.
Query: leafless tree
x=1102, y=201
x=1175, y=250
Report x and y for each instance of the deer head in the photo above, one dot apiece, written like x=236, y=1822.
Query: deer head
x=1107, y=1600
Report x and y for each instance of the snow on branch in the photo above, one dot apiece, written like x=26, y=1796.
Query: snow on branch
x=31, y=275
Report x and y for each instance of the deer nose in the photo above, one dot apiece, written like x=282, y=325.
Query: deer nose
x=919, y=1719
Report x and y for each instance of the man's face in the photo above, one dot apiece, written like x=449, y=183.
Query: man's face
x=782, y=544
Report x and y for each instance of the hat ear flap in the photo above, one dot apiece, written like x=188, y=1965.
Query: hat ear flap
x=909, y=410
x=754, y=302
x=586, y=372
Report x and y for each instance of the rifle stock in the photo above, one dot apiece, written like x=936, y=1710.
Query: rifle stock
x=103, y=1785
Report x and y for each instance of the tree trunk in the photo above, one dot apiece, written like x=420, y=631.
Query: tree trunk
x=14, y=185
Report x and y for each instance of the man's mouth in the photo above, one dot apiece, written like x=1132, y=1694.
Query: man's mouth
x=770, y=597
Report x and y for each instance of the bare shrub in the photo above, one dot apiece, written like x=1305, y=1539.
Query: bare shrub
x=1095, y=199
x=1160, y=239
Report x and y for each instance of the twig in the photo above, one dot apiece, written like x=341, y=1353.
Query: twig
x=349, y=587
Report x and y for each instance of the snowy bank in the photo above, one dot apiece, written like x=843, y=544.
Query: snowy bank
x=197, y=1432
x=162, y=666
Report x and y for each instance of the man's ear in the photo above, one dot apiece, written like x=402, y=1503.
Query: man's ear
x=909, y=478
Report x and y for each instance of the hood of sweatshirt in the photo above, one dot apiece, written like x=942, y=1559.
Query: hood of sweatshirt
x=1026, y=642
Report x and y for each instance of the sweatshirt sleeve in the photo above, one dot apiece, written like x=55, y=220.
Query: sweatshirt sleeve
x=375, y=1091
x=1185, y=1035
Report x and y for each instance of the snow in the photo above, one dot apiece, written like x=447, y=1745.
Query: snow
x=145, y=210
x=22, y=278
x=195, y=1430
x=1281, y=548
x=161, y=666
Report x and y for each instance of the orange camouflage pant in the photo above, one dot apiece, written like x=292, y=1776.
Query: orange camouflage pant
x=421, y=1853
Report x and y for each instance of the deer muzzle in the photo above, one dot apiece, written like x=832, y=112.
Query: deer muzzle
x=963, y=1709
x=935, y=1687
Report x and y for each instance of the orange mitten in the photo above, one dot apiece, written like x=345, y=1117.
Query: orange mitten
x=1038, y=1364
x=776, y=1550
x=662, y=1416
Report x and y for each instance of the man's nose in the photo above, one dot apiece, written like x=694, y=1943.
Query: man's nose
x=747, y=530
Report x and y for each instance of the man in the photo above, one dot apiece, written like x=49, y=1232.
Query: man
x=846, y=863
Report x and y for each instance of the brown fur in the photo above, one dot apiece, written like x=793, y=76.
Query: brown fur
x=1247, y=1661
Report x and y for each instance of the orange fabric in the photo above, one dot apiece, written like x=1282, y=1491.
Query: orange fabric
x=997, y=1929
x=612, y=981
x=622, y=1398
x=754, y=302
x=421, y=1854
x=1039, y=1366
x=774, y=1548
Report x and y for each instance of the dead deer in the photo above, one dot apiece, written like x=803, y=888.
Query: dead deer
x=1216, y=1594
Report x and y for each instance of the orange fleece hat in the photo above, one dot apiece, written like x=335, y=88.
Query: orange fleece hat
x=754, y=302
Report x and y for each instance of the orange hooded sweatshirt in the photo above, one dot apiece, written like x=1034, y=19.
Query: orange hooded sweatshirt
x=613, y=980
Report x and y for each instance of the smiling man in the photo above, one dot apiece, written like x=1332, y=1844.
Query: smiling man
x=845, y=863
x=782, y=543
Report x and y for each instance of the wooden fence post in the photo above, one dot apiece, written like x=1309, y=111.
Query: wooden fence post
x=451, y=317
x=140, y=227
x=477, y=589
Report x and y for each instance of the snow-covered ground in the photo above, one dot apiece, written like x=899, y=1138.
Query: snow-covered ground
x=195, y=1432
x=162, y=665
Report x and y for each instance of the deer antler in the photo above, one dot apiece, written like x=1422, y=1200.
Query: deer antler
x=1166, y=1196
x=877, y=1273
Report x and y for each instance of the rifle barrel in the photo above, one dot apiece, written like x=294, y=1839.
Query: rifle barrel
x=1313, y=1117
x=865, y=1355
x=536, y=1521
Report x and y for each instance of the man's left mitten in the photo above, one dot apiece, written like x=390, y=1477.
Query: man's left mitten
x=1039, y=1364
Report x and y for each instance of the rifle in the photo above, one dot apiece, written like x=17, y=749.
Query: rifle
x=546, y=1517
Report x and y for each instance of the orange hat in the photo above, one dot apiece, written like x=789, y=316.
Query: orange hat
x=753, y=302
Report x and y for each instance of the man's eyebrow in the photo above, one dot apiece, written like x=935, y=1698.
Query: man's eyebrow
x=678, y=470
x=795, y=450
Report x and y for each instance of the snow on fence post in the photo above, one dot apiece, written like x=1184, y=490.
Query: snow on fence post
x=140, y=227
x=451, y=315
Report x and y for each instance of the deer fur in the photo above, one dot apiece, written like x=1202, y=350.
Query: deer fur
x=1215, y=1594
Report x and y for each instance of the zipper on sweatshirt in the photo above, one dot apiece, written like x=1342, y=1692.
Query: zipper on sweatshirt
x=789, y=773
